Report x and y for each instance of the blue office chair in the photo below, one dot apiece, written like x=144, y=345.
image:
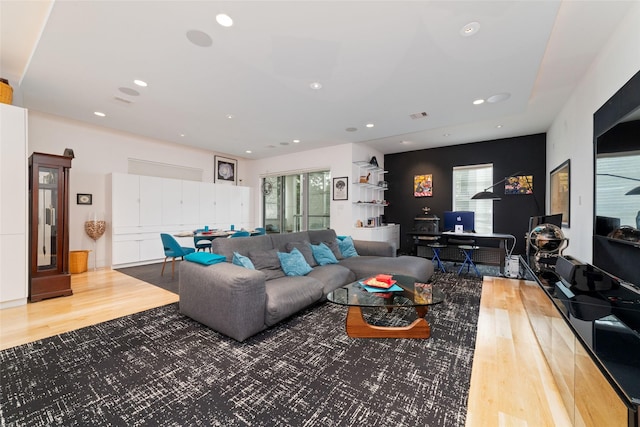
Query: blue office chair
x=173, y=249
x=260, y=231
x=241, y=233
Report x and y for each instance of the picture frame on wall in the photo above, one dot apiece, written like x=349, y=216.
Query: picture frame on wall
x=84, y=199
x=423, y=185
x=519, y=184
x=225, y=170
x=560, y=191
x=341, y=188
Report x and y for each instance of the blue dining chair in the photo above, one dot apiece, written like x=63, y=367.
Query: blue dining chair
x=201, y=242
x=241, y=233
x=260, y=231
x=173, y=249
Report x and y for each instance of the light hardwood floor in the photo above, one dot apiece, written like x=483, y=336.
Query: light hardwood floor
x=510, y=382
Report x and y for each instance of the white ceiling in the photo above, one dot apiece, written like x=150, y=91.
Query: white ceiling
x=378, y=61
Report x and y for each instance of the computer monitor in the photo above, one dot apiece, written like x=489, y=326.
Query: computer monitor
x=535, y=221
x=464, y=218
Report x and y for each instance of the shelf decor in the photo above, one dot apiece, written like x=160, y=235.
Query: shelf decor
x=423, y=186
x=340, y=188
x=95, y=228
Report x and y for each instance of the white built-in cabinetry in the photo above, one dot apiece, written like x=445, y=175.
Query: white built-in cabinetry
x=13, y=206
x=142, y=207
x=369, y=185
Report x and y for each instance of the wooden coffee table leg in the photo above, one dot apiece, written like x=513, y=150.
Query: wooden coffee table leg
x=357, y=327
x=422, y=310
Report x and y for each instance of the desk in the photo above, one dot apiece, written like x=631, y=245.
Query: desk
x=502, y=239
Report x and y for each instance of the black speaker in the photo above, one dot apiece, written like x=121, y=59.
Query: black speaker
x=566, y=268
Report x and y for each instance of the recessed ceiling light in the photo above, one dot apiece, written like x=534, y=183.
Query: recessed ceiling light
x=478, y=102
x=405, y=142
x=316, y=85
x=248, y=151
x=499, y=126
x=182, y=135
x=446, y=134
x=499, y=97
x=369, y=125
x=99, y=114
x=224, y=20
x=470, y=29
x=140, y=83
x=230, y=116
x=199, y=38
x=296, y=141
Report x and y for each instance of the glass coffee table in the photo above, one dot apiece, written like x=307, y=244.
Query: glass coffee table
x=410, y=293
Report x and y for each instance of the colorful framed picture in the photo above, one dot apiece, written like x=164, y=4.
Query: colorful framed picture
x=225, y=170
x=341, y=188
x=520, y=184
x=560, y=191
x=423, y=186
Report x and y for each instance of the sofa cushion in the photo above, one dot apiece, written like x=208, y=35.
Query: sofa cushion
x=288, y=295
x=305, y=248
x=242, y=261
x=328, y=237
x=347, y=249
x=227, y=247
x=280, y=241
x=293, y=263
x=267, y=261
x=332, y=276
x=366, y=266
x=323, y=254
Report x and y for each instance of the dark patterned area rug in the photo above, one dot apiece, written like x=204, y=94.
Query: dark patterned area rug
x=161, y=368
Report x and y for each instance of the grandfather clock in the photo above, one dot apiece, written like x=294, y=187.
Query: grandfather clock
x=49, y=226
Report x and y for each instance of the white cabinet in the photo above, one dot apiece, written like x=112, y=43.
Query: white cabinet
x=143, y=207
x=13, y=206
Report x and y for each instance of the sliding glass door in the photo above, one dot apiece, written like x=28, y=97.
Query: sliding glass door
x=296, y=202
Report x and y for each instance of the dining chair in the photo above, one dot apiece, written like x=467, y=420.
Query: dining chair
x=241, y=233
x=260, y=231
x=173, y=249
x=201, y=242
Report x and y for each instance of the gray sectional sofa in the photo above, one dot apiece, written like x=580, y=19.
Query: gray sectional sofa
x=240, y=302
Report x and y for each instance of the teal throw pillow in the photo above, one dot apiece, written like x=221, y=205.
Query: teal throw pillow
x=293, y=263
x=205, y=258
x=242, y=261
x=323, y=254
x=346, y=246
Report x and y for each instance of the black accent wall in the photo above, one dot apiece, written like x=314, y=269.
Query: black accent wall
x=511, y=215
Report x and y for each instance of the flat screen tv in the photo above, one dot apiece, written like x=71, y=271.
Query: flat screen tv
x=464, y=218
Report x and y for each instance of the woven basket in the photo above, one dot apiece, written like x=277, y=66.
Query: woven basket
x=6, y=92
x=78, y=261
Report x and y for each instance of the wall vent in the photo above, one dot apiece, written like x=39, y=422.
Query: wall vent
x=416, y=116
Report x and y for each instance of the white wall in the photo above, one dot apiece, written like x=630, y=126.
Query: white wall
x=571, y=135
x=338, y=159
x=99, y=152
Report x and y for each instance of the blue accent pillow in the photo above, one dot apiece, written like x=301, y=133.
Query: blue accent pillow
x=346, y=246
x=242, y=261
x=293, y=263
x=205, y=258
x=323, y=254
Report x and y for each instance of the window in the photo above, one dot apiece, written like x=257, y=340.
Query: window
x=467, y=181
x=296, y=202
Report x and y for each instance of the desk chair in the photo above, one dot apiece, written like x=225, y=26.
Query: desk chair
x=173, y=249
x=467, y=251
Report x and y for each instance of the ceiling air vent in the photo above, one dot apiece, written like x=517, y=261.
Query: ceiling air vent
x=126, y=101
x=416, y=116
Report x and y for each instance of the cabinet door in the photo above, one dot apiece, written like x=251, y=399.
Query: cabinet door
x=207, y=204
x=171, y=201
x=13, y=268
x=150, y=201
x=246, y=217
x=125, y=252
x=190, y=203
x=13, y=166
x=223, y=205
x=151, y=247
x=125, y=200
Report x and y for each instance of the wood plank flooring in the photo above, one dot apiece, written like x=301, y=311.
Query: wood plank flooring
x=511, y=384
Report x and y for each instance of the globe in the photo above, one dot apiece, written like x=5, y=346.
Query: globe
x=546, y=238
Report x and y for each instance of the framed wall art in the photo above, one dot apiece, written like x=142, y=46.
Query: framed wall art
x=341, y=188
x=84, y=199
x=560, y=191
x=423, y=186
x=225, y=170
x=519, y=184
